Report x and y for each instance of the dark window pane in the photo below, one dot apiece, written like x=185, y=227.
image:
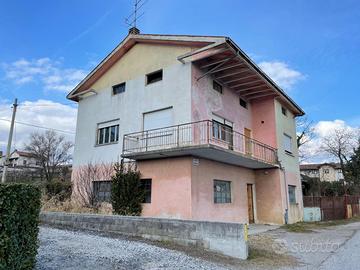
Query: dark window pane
x=112, y=133
x=154, y=77
x=146, y=186
x=222, y=191
x=117, y=89
x=101, y=136
x=292, y=195
x=102, y=191
x=107, y=131
x=243, y=103
x=217, y=87
x=117, y=133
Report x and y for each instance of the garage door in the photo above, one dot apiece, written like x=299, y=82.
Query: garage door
x=158, y=119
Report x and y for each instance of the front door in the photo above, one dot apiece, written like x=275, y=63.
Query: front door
x=250, y=203
x=248, y=144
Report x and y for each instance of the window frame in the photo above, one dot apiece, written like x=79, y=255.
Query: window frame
x=118, y=85
x=245, y=103
x=291, y=143
x=148, y=191
x=284, y=111
x=104, y=136
x=215, y=84
x=292, y=195
x=147, y=82
x=96, y=185
x=222, y=196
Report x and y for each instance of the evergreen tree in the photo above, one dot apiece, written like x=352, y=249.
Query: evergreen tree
x=353, y=170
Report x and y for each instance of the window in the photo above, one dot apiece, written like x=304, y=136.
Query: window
x=102, y=191
x=154, y=76
x=222, y=131
x=284, y=111
x=108, y=135
x=243, y=103
x=24, y=162
x=222, y=191
x=326, y=171
x=292, y=194
x=146, y=186
x=217, y=87
x=119, y=88
x=287, y=143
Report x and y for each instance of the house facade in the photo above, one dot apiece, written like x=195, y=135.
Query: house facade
x=329, y=172
x=213, y=137
x=20, y=159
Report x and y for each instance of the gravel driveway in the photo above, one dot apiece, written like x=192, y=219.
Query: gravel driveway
x=63, y=249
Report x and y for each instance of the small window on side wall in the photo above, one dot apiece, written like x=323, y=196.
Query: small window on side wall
x=287, y=143
x=284, y=110
x=222, y=191
x=243, y=103
x=217, y=87
x=146, y=186
x=292, y=194
x=119, y=88
x=154, y=77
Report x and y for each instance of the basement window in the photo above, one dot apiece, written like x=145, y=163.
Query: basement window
x=154, y=77
x=222, y=191
x=217, y=87
x=243, y=103
x=119, y=88
x=102, y=191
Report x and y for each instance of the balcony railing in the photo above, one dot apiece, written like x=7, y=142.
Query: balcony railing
x=202, y=133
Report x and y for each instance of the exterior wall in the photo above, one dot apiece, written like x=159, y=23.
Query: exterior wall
x=128, y=107
x=269, y=196
x=205, y=102
x=202, y=190
x=171, y=187
x=290, y=162
x=329, y=177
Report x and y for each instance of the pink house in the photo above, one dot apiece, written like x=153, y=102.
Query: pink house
x=213, y=136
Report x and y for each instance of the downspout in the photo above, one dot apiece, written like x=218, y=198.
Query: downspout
x=286, y=214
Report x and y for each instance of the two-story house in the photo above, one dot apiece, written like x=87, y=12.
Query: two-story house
x=329, y=172
x=212, y=135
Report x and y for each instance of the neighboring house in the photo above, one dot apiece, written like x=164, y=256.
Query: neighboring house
x=21, y=159
x=329, y=172
x=213, y=136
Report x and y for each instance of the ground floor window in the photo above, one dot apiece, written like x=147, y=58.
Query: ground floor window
x=102, y=191
x=222, y=191
x=292, y=195
x=146, y=185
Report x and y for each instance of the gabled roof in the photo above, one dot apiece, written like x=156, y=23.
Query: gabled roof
x=215, y=55
x=22, y=153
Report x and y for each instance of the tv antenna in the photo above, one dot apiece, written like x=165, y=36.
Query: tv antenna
x=132, y=19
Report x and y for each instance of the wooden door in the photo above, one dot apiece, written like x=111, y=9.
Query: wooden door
x=250, y=203
x=248, y=144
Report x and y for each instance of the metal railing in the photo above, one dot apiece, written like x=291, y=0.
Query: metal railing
x=196, y=134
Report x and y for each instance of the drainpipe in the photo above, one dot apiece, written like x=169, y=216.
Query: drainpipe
x=286, y=214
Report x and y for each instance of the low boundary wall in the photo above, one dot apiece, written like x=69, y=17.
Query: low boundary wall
x=225, y=238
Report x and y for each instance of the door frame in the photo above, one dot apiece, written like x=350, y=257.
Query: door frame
x=253, y=201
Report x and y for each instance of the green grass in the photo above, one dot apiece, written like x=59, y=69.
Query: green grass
x=307, y=227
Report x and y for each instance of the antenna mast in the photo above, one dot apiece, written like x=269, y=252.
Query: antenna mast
x=132, y=19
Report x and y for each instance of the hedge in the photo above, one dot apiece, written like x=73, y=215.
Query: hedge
x=19, y=219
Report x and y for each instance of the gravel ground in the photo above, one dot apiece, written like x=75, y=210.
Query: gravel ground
x=63, y=249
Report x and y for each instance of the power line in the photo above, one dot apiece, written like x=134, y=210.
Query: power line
x=37, y=126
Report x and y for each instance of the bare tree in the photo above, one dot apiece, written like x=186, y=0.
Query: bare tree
x=51, y=151
x=305, y=134
x=340, y=144
x=83, y=178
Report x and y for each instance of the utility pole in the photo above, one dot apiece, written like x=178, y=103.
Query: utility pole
x=7, y=158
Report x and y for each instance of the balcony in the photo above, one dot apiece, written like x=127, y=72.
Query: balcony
x=204, y=139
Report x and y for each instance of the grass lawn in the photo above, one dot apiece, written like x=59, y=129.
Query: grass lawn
x=303, y=227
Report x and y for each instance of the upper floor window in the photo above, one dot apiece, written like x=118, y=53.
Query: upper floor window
x=243, y=103
x=119, y=88
x=222, y=129
x=222, y=191
x=217, y=87
x=287, y=143
x=292, y=194
x=154, y=77
x=326, y=171
x=284, y=111
x=108, y=134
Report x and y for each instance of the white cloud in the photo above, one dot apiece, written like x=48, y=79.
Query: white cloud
x=45, y=71
x=281, y=73
x=313, y=150
x=42, y=113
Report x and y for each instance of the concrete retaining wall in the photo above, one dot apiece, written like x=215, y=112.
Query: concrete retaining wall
x=225, y=238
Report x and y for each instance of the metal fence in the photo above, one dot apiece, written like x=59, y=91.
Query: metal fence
x=337, y=207
x=196, y=134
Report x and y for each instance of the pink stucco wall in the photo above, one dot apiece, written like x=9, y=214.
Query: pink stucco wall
x=202, y=190
x=263, y=121
x=171, y=187
x=205, y=101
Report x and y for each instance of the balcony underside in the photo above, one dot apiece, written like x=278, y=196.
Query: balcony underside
x=206, y=151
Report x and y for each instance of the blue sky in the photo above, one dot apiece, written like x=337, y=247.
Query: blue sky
x=311, y=48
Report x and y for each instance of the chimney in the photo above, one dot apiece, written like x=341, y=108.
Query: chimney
x=134, y=31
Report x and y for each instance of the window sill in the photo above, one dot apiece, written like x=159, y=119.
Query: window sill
x=105, y=144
